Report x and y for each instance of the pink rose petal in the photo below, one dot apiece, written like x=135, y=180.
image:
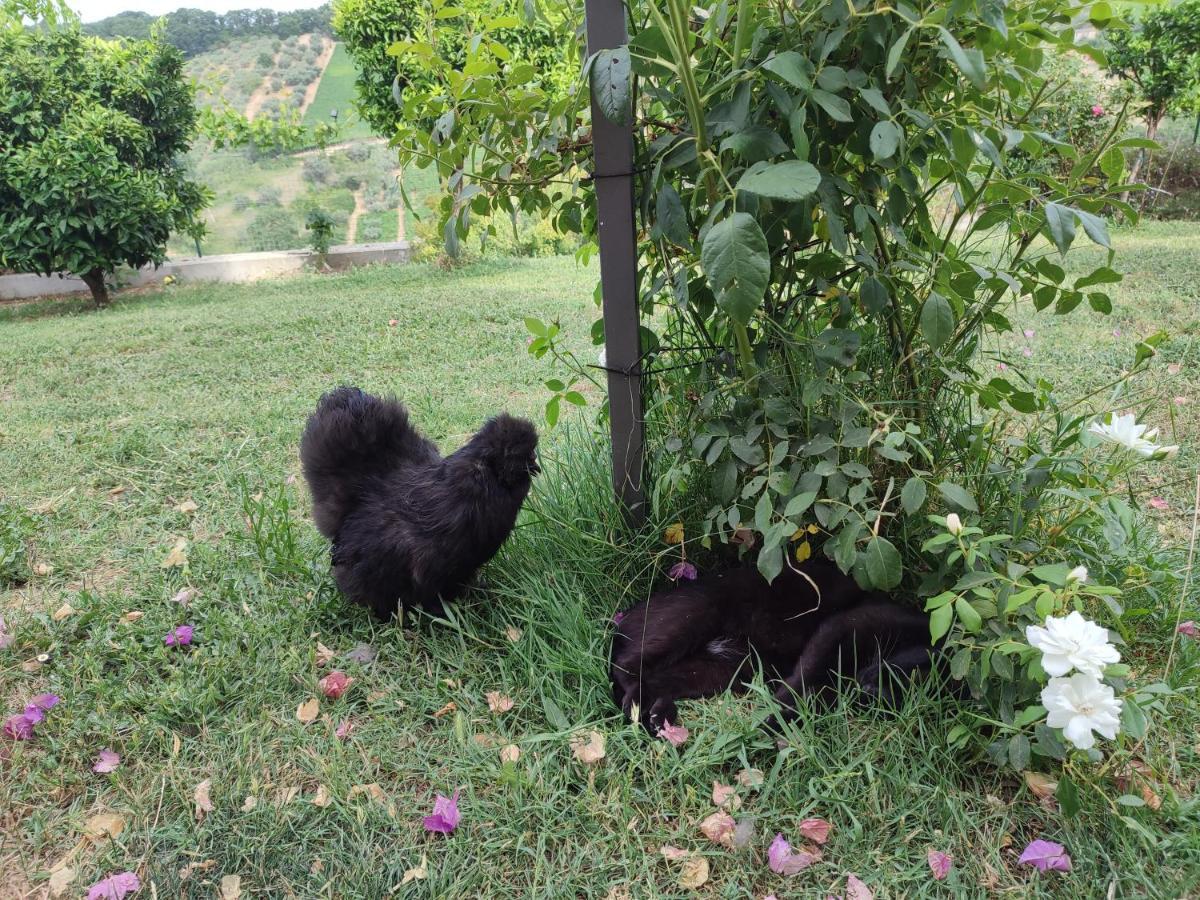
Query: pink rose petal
x=939, y=864
x=618, y=617
x=1189, y=629
x=856, y=889
x=1174, y=368
x=345, y=729
x=676, y=735
x=33, y=715
x=1116, y=332
x=106, y=761
x=445, y=814
x=1158, y=503
x=1026, y=352
x=114, y=887
x=1097, y=110
x=1003, y=367
x=1046, y=856
x=682, y=570
x=1029, y=332
x=785, y=861
x=179, y=636
x=335, y=684
x=45, y=701
x=185, y=597
x=815, y=830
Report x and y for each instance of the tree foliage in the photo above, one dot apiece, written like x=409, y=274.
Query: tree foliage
x=196, y=31
x=1161, y=57
x=372, y=28
x=90, y=135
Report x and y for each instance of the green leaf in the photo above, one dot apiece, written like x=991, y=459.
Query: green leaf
x=791, y=180
x=671, y=218
x=883, y=563
x=552, y=408
x=885, y=139
x=957, y=496
x=937, y=320
x=876, y=100
x=971, y=620
x=798, y=504
x=1060, y=220
x=791, y=67
x=939, y=622
x=737, y=261
x=894, y=54
x=1095, y=228
x=770, y=562
x=912, y=498
x=874, y=294
x=969, y=62
x=838, y=109
x=554, y=714
x=1133, y=720
x=1067, y=795
x=1018, y=752
x=611, y=84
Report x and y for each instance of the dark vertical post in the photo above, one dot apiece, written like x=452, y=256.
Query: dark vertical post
x=612, y=148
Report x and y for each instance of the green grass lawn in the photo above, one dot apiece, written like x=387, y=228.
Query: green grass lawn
x=110, y=422
x=336, y=91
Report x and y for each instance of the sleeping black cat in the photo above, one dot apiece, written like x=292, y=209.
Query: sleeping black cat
x=807, y=629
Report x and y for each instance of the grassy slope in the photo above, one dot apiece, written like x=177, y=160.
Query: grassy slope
x=336, y=91
x=199, y=393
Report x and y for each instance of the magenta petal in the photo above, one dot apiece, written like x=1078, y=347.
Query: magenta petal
x=180, y=636
x=114, y=887
x=684, y=570
x=939, y=864
x=784, y=861
x=676, y=735
x=33, y=714
x=106, y=761
x=617, y=617
x=1189, y=628
x=18, y=727
x=1046, y=855
x=45, y=701
x=445, y=814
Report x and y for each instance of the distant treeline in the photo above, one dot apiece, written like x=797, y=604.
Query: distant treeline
x=196, y=30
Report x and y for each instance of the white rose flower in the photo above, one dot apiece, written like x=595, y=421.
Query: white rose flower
x=1072, y=642
x=1081, y=705
x=1079, y=573
x=1125, y=431
x=954, y=524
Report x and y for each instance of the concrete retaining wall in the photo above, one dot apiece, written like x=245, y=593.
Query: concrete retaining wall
x=228, y=267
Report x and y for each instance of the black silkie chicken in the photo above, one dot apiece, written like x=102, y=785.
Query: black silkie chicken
x=807, y=629
x=408, y=526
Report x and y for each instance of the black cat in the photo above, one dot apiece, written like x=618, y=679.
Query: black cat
x=807, y=629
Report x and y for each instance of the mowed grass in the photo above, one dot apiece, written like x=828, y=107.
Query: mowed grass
x=108, y=422
x=336, y=91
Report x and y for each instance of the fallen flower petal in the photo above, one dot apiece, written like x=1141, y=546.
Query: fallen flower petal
x=498, y=702
x=674, y=533
x=856, y=889
x=815, y=830
x=682, y=570
x=45, y=701
x=184, y=597
x=750, y=778
x=676, y=735
x=180, y=636
x=445, y=814
x=939, y=864
x=1045, y=856
x=344, y=730
x=18, y=727
x=694, y=872
x=617, y=617
x=106, y=761
x=588, y=747
x=335, y=684
x=672, y=853
x=1189, y=628
x=719, y=828
x=785, y=861
x=114, y=887
x=1158, y=503
x=725, y=796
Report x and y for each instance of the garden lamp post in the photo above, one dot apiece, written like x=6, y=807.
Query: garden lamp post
x=612, y=148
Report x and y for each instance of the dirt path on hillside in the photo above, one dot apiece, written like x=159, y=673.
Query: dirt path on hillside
x=352, y=222
x=259, y=97
x=310, y=92
x=341, y=145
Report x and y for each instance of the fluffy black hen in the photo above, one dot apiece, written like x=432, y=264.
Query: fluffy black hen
x=407, y=525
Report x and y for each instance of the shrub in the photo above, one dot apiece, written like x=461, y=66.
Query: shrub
x=352, y=182
x=270, y=195
x=317, y=170
x=265, y=60
x=1173, y=174
x=241, y=202
x=320, y=232
x=359, y=152
x=273, y=228
x=820, y=336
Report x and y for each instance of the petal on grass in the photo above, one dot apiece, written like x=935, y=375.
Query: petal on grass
x=114, y=887
x=719, y=828
x=939, y=864
x=1046, y=856
x=106, y=761
x=815, y=830
x=335, y=684
x=445, y=814
x=785, y=861
x=676, y=735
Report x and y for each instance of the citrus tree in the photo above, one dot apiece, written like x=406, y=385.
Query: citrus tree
x=90, y=138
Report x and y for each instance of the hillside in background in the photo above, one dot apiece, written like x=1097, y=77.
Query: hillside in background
x=196, y=31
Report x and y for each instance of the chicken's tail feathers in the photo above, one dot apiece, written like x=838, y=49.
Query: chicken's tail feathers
x=351, y=438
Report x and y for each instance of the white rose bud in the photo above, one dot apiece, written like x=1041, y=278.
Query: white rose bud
x=954, y=524
x=1079, y=573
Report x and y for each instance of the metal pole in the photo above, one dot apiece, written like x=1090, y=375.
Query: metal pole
x=612, y=148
